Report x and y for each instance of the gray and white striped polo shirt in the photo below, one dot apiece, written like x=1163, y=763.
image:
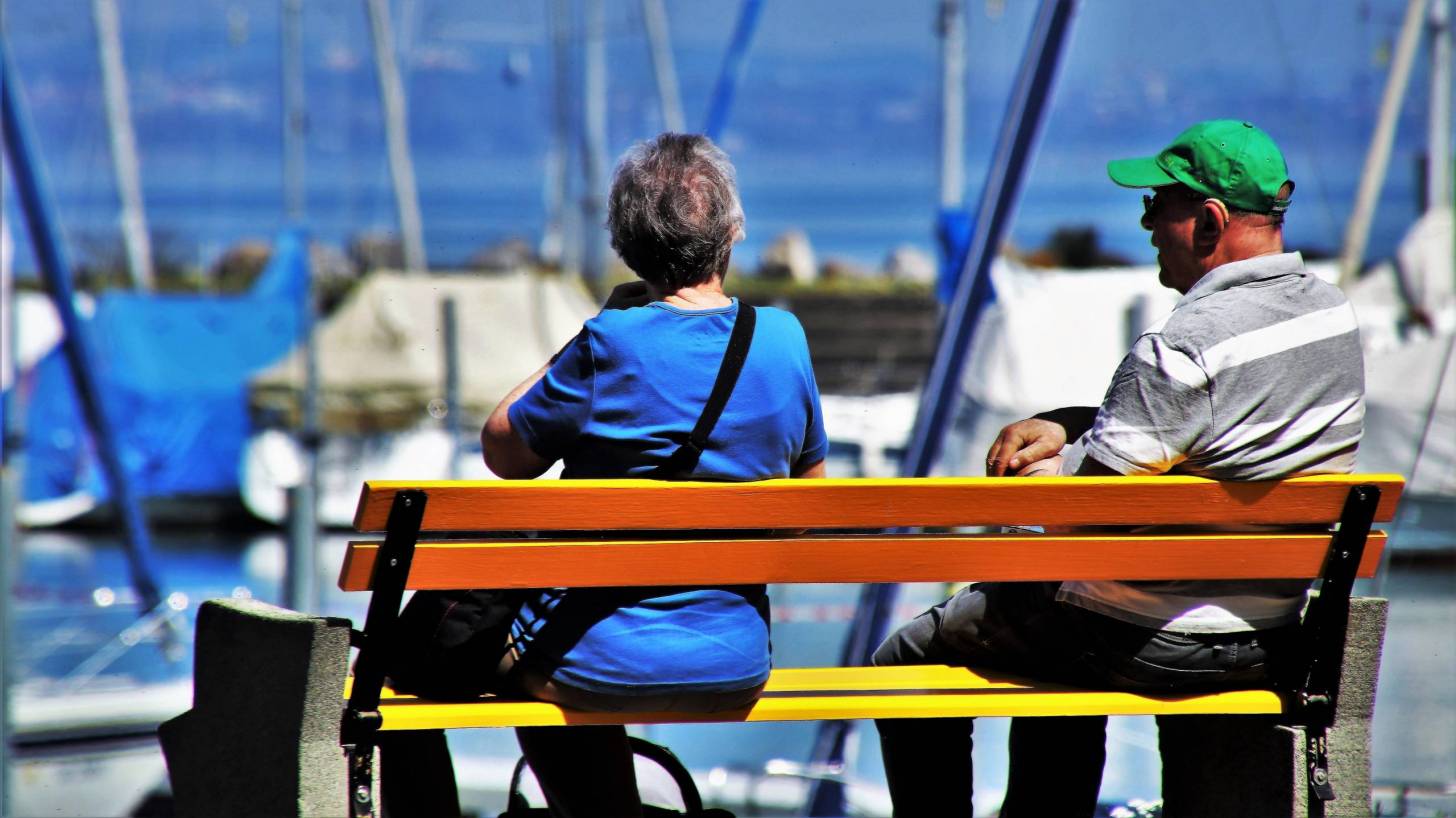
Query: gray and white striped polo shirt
x=1257, y=374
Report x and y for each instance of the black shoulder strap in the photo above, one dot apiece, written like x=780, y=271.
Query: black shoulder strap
x=685, y=459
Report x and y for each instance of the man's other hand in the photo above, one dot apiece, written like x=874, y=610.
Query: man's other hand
x=628, y=295
x=1023, y=443
x=1050, y=467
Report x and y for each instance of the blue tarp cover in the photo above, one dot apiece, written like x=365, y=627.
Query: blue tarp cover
x=173, y=374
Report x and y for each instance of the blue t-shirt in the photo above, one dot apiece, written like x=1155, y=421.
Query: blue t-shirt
x=623, y=396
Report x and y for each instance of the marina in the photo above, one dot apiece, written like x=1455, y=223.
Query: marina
x=255, y=252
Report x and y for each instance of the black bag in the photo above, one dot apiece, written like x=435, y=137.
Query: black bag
x=516, y=806
x=447, y=645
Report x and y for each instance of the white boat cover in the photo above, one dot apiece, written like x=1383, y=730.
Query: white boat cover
x=381, y=355
x=1410, y=413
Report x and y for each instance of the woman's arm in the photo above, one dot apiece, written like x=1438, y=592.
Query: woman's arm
x=813, y=472
x=506, y=454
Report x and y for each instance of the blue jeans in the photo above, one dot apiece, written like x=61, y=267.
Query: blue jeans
x=1020, y=628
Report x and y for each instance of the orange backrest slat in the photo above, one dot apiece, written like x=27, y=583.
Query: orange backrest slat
x=929, y=558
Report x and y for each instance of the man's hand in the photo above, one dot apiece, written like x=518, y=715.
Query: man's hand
x=1022, y=443
x=628, y=295
x=1050, y=467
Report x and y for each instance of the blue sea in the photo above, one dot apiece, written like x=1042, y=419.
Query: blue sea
x=834, y=128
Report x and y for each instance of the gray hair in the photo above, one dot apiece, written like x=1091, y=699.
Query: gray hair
x=674, y=211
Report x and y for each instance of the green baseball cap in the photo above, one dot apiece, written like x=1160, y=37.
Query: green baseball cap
x=1223, y=158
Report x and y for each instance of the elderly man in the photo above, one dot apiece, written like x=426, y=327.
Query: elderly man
x=1256, y=374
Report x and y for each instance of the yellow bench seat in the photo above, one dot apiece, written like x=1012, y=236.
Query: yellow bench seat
x=809, y=694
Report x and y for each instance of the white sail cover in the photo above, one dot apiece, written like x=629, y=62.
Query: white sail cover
x=1410, y=369
x=381, y=355
x=382, y=382
x=1052, y=337
x=1410, y=413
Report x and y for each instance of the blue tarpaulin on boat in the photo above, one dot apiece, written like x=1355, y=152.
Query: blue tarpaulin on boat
x=173, y=374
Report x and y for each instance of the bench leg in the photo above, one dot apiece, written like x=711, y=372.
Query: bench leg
x=262, y=737
x=1249, y=766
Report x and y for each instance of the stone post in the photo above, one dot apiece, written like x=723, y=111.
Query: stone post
x=262, y=737
x=1216, y=766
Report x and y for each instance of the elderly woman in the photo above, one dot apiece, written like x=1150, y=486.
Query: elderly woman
x=620, y=400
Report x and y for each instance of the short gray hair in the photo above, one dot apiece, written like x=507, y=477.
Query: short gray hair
x=674, y=211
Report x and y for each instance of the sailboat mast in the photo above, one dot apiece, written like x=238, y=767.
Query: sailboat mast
x=300, y=576
x=123, y=145
x=594, y=148
x=952, y=29
x=295, y=116
x=654, y=19
x=554, y=247
x=401, y=167
x=1438, y=141
x=1377, y=157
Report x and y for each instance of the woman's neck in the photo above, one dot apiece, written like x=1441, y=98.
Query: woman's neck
x=704, y=296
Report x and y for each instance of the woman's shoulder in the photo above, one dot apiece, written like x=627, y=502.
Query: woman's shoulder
x=613, y=323
x=775, y=320
x=771, y=324
x=780, y=329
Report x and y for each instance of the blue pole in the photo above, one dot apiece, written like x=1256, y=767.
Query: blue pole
x=55, y=270
x=1015, y=144
x=1014, y=147
x=735, y=64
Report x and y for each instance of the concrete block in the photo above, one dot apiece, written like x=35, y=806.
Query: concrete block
x=262, y=737
x=1250, y=766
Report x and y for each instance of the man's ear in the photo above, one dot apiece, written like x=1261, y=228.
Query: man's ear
x=1213, y=219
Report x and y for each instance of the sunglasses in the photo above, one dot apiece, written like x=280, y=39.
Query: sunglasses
x=1152, y=204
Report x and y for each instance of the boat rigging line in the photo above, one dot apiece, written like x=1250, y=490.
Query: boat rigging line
x=735, y=66
x=1377, y=157
x=55, y=271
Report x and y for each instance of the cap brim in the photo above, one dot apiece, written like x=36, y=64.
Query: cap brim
x=1141, y=172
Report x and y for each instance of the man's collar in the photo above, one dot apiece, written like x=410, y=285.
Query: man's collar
x=1245, y=271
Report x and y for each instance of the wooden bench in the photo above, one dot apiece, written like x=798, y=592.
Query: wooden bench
x=461, y=535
